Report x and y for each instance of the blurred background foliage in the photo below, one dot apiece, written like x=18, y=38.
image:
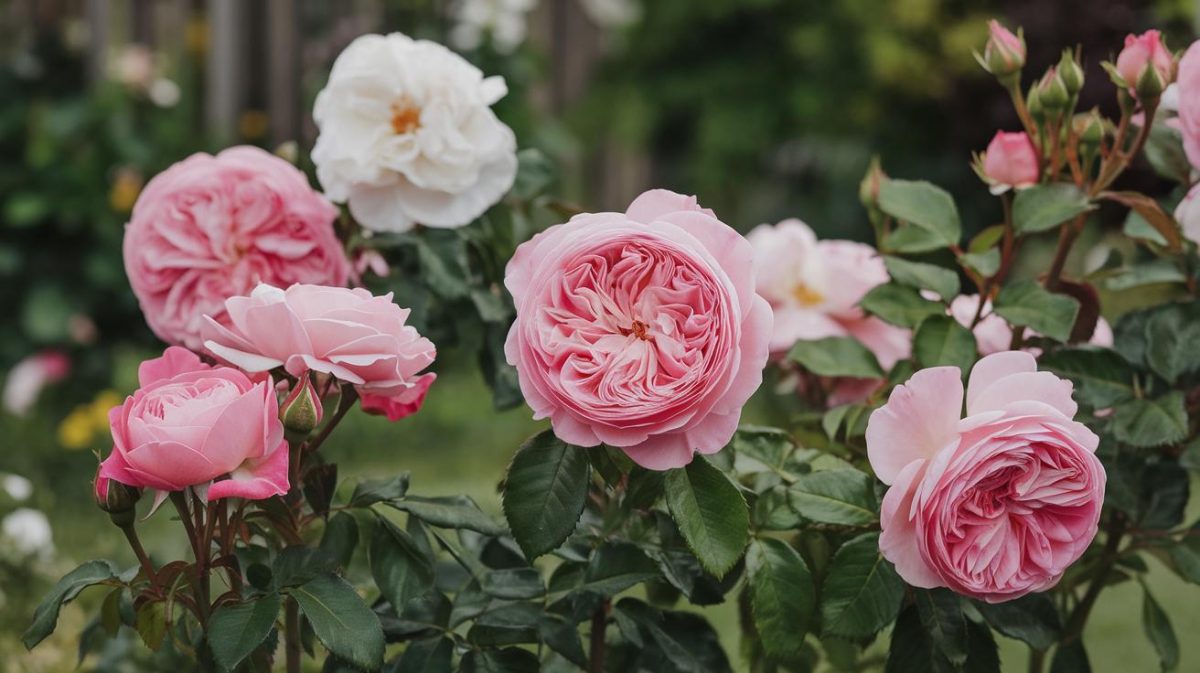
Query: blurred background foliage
x=765, y=108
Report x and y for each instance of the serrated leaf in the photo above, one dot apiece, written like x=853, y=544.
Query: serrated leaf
x=453, y=512
x=431, y=655
x=923, y=276
x=711, y=514
x=836, y=356
x=1148, y=423
x=899, y=305
x=837, y=497
x=914, y=649
x=1171, y=333
x=399, y=567
x=340, y=538
x=1031, y=618
x=1102, y=377
x=1043, y=207
x=782, y=597
x=941, y=614
x=150, y=622
x=369, y=492
x=45, y=617
x=923, y=205
x=544, y=492
x=341, y=620
x=1029, y=304
x=1160, y=632
x=862, y=592
x=237, y=629
x=941, y=340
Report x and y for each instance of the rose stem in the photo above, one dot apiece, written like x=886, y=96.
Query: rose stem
x=136, y=544
x=292, y=635
x=596, y=651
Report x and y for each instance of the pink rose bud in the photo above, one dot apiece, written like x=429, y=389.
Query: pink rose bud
x=302, y=410
x=1147, y=56
x=995, y=505
x=1004, y=53
x=191, y=424
x=641, y=330
x=1009, y=162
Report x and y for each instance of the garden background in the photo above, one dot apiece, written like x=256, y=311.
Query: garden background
x=765, y=108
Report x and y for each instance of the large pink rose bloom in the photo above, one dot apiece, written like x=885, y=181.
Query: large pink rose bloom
x=350, y=334
x=213, y=227
x=190, y=424
x=995, y=505
x=814, y=288
x=639, y=330
x=1187, y=100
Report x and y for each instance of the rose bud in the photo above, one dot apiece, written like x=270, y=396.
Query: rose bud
x=115, y=498
x=1090, y=128
x=1145, y=52
x=301, y=411
x=1070, y=72
x=1010, y=162
x=1033, y=103
x=1149, y=84
x=1052, y=91
x=1004, y=53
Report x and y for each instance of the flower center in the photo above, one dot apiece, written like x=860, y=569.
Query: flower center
x=806, y=295
x=637, y=329
x=406, y=117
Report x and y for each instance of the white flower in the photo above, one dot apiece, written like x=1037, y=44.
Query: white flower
x=28, y=530
x=407, y=135
x=503, y=19
x=613, y=13
x=17, y=487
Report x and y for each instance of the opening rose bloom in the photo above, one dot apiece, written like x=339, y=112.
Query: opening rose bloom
x=408, y=136
x=995, y=505
x=1004, y=53
x=814, y=288
x=350, y=334
x=190, y=424
x=1143, y=51
x=1010, y=162
x=212, y=227
x=640, y=330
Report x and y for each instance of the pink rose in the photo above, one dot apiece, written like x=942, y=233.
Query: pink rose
x=1188, y=92
x=1187, y=213
x=27, y=378
x=1010, y=162
x=1142, y=51
x=992, y=333
x=190, y=424
x=213, y=227
x=995, y=505
x=814, y=288
x=639, y=330
x=1004, y=53
x=349, y=334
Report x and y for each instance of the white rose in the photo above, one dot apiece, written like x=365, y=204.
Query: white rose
x=1187, y=213
x=407, y=135
x=28, y=530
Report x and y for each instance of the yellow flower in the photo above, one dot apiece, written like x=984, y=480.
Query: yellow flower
x=125, y=189
x=77, y=429
x=253, y=124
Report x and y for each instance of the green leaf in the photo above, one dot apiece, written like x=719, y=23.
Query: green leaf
x=535, y=172
x=862, y=592
x=341, y=620
x=1172, y=333
x=1070, y=658
x=1029, y=304
x=915, y=648
x=941, y=340
x=340, y=538
x=899, y=305
x=449, y=512
x=615, y=567
x=513, y=583
x=1152, y=214
x=1159, y=631
x=923, y=276
x=507, y=660
x=45, y=617
x=710, y=512
x=923, y=205
x=400, y=568
x=545, y=492
x=836, y=356
x=369, y=492
x=237, y=629
x=986, y=263
x=838, y=497
x=687, y=641
x=782, y=597
x=431, y=655
x=769, y=446
x=150, y=622
x=1148, y=423
x=1031, y=618
x=1149, y=273
x=1043, y=207
x=1102, y=377
x=941, y=613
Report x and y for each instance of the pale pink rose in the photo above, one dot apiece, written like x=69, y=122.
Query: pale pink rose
x=1010, y=162
x=28, y=377
x=191, y=424
x=1004, y=52
x=995, y=505
x=639, y=330
x=814, y=288
x=350, y=334
x=992, y=333
x=213, y=227
x=1188, y=102
x=1145, y=50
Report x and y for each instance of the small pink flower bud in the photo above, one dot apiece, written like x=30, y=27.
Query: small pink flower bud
x=301, y=411
x=115, y=498
x=1004, y=53
x=1010, y=161
x=1145, y=51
